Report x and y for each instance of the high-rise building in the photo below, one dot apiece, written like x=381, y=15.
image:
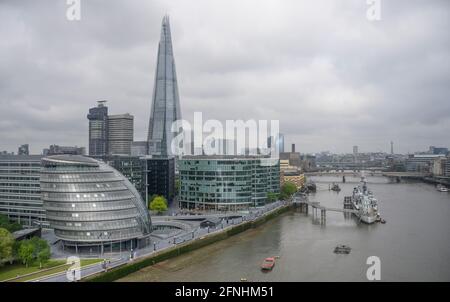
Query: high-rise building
x=88, y=203
x=23, y=150
x=355, y=150
x=98, y=130
x=120, y=134
x=139, y=148
x=165, y=103
x=20, y=193
x=392, y=147
x=293, y=148
x=160, y=176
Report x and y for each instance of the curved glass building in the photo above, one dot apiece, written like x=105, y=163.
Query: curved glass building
x=89, y=203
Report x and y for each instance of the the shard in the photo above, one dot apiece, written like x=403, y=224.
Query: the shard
x=166, y=103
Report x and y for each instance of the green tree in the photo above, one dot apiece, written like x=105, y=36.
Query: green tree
x=158, y=204
x=41, y=250
x=6, y=245
x=287, y=190
x=10, y=226
x=26, y=251
x=271, y=197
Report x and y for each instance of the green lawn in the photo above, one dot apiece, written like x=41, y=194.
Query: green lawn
x=11, y=271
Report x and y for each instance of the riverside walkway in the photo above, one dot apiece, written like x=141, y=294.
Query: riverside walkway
x=125, y=257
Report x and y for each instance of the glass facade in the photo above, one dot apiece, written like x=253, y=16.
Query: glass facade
x=98, y=130
x=218, y=182
x=20, y=193
x=87, y=201
x=166, y=103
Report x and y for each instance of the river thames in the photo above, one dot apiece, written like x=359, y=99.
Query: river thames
x=413, y=245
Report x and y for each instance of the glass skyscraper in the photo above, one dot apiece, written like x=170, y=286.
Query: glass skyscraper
x=166, y=103
x=98, y=130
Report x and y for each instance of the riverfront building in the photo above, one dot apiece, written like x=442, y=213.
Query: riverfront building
x=89, y=203
x=422, y=162
x=20, y=195
x=227, y=182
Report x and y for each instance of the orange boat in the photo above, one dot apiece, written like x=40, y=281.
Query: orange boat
x=268, y=263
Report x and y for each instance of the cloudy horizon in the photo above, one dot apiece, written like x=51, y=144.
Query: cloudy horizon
x=333, y=78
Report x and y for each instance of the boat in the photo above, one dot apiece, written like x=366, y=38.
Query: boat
x=268, y=264
x=335, y=187
x=442, y=188
x=366, y=204
x=342, y=249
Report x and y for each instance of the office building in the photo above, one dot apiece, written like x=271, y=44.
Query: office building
x=120, y=134
x=293, y=176
x=160, y=176
x=438, y=150
x=20, y=195
x=165, y=103
x=88, y=204
x=98, y=129
x=139, y=148
x=227, y=182
x=23, y=150
x=57, y=150
x=421, y=162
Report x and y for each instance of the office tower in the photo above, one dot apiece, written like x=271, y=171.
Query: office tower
x=248, y=179
x=392, y=147
x=165, y=103
x=293, y=148
x=23, y=150
x=20, y=196
x=280, y=142
x=355, y=150
x=120, y=134
x=98, y=129
x=89, y=204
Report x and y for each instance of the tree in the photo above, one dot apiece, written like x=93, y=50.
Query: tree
x=41, y=250
x=10, y=226
x=271, y=197
x=6, y=245
x=287, y=190
x=26, y=251
x=158, y=204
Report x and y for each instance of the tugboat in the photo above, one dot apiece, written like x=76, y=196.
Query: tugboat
x=268, y=264
x=364, y=201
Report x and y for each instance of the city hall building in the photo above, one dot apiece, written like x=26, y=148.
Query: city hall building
x=227, y=182
x=88, y=203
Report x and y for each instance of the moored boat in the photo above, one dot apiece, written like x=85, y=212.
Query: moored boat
x=268, y=264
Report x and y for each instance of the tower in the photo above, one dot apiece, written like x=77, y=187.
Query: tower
x=98, y=129
x=165, y=103
x=392, y=147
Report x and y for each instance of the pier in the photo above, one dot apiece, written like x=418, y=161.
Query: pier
x=303, y=203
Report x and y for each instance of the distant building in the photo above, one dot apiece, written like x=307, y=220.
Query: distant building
x=139, y=148
x=98, y=130
x=355, y=150
x=421, y=162
x=23, y=150
x=392, y=148
x=227, y=182
x=20, y=194
x=447, y=167
x=438, y=150
x=294, y=176
x=56, y=150
x=120, y=134
x=160, y=176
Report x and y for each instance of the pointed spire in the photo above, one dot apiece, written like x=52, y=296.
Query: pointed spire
x=165, y=104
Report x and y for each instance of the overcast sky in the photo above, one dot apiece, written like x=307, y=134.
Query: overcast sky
x=333, y=78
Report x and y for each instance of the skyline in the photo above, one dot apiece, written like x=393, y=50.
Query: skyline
x=355, y=82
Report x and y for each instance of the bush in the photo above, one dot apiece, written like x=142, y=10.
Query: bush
x=158, y=204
